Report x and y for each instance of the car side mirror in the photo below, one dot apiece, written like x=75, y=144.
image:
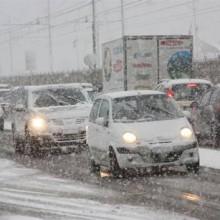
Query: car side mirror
x=187, y=114
x=19, y=108
x=102, y=122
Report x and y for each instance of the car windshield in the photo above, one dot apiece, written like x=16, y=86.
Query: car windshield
x=57, y=97
x=190, y=91
x=144, y=108
x=4, y=94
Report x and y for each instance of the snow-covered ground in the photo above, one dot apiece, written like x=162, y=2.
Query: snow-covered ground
x=36, y=192
x=209, y=158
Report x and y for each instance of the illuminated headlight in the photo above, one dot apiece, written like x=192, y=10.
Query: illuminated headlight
x=38, y=124
x=186, y=133
x=129, y=138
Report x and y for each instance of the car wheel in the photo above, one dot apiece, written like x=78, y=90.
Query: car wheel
x=19, y=146
x=114, y=166
x=94, y=167
x=30, y=147
x=1, y=124
x=193, y=168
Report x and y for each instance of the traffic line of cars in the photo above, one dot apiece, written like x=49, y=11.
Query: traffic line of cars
x=202, y=99
x=148, y=129
x=128, y=130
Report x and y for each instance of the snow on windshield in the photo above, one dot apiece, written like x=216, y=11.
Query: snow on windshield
x=57, y=97
x=145, y=107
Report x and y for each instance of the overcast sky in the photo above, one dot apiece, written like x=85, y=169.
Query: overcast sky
x=27, y=20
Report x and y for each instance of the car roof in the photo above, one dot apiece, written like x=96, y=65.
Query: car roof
x=50, y=86
x=170, y=82
x=4, y=90
x=4, y=85
x=121, y=94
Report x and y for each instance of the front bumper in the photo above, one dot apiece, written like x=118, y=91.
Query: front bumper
x=149, y=158
x=60, y=141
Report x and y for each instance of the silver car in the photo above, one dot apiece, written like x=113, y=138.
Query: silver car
x=49, y=118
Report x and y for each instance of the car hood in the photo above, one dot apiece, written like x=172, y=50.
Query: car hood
x=64, y=112
x=66, y=119
x=155, y=133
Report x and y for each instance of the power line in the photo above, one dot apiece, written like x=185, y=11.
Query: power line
x=181, y=16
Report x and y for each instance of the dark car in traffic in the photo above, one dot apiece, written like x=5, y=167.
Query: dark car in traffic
x=206, y=116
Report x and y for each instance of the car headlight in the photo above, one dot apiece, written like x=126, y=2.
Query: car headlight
x=38, y=124
x=186, y=133
x=129, y=138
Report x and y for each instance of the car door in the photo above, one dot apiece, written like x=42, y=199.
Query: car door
x=92, y=130
x=103, y=133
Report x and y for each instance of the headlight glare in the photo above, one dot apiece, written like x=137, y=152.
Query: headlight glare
x=38, y=124
x=129, y=138
x=186, y=133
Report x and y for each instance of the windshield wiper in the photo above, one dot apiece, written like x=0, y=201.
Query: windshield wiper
x=162, y=110
x=75, y=99
x=148, y=117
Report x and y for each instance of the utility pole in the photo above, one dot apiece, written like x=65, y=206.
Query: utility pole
x=50, y=38
x=122, y=19
x=76, y=48
x=11, y=51
x=94, y=31
x=195, y=28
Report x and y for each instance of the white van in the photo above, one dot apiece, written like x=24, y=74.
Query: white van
x=140, y=129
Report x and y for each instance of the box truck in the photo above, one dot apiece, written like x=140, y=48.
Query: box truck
x=138, y=62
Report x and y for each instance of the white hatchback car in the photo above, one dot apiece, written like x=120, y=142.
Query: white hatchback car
x=140, y=129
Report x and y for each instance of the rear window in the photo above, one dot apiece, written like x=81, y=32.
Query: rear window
x=189, y=91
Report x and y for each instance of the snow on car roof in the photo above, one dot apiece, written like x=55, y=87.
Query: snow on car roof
x=131, y=93
x=4, y=90
x=42, y=87
x=4, y=85
x=183, y=81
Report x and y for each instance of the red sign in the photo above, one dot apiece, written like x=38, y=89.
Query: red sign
x=171, y=42
x=142, y=65
x=117, y=67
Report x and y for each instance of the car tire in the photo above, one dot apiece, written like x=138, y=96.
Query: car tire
x=1, y=124
x=19, y=146
x=114, y=166
x=30, y=147
x=93, y=166
x=193, y=168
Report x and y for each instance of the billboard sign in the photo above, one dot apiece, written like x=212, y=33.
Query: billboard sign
x=175, y=56
x=113, y=68
x=141, y=54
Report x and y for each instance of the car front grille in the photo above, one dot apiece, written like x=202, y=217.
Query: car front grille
x=80, y=120
x=70, y=137
x=166, y=157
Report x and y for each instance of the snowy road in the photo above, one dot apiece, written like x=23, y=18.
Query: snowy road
x=61, y=187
